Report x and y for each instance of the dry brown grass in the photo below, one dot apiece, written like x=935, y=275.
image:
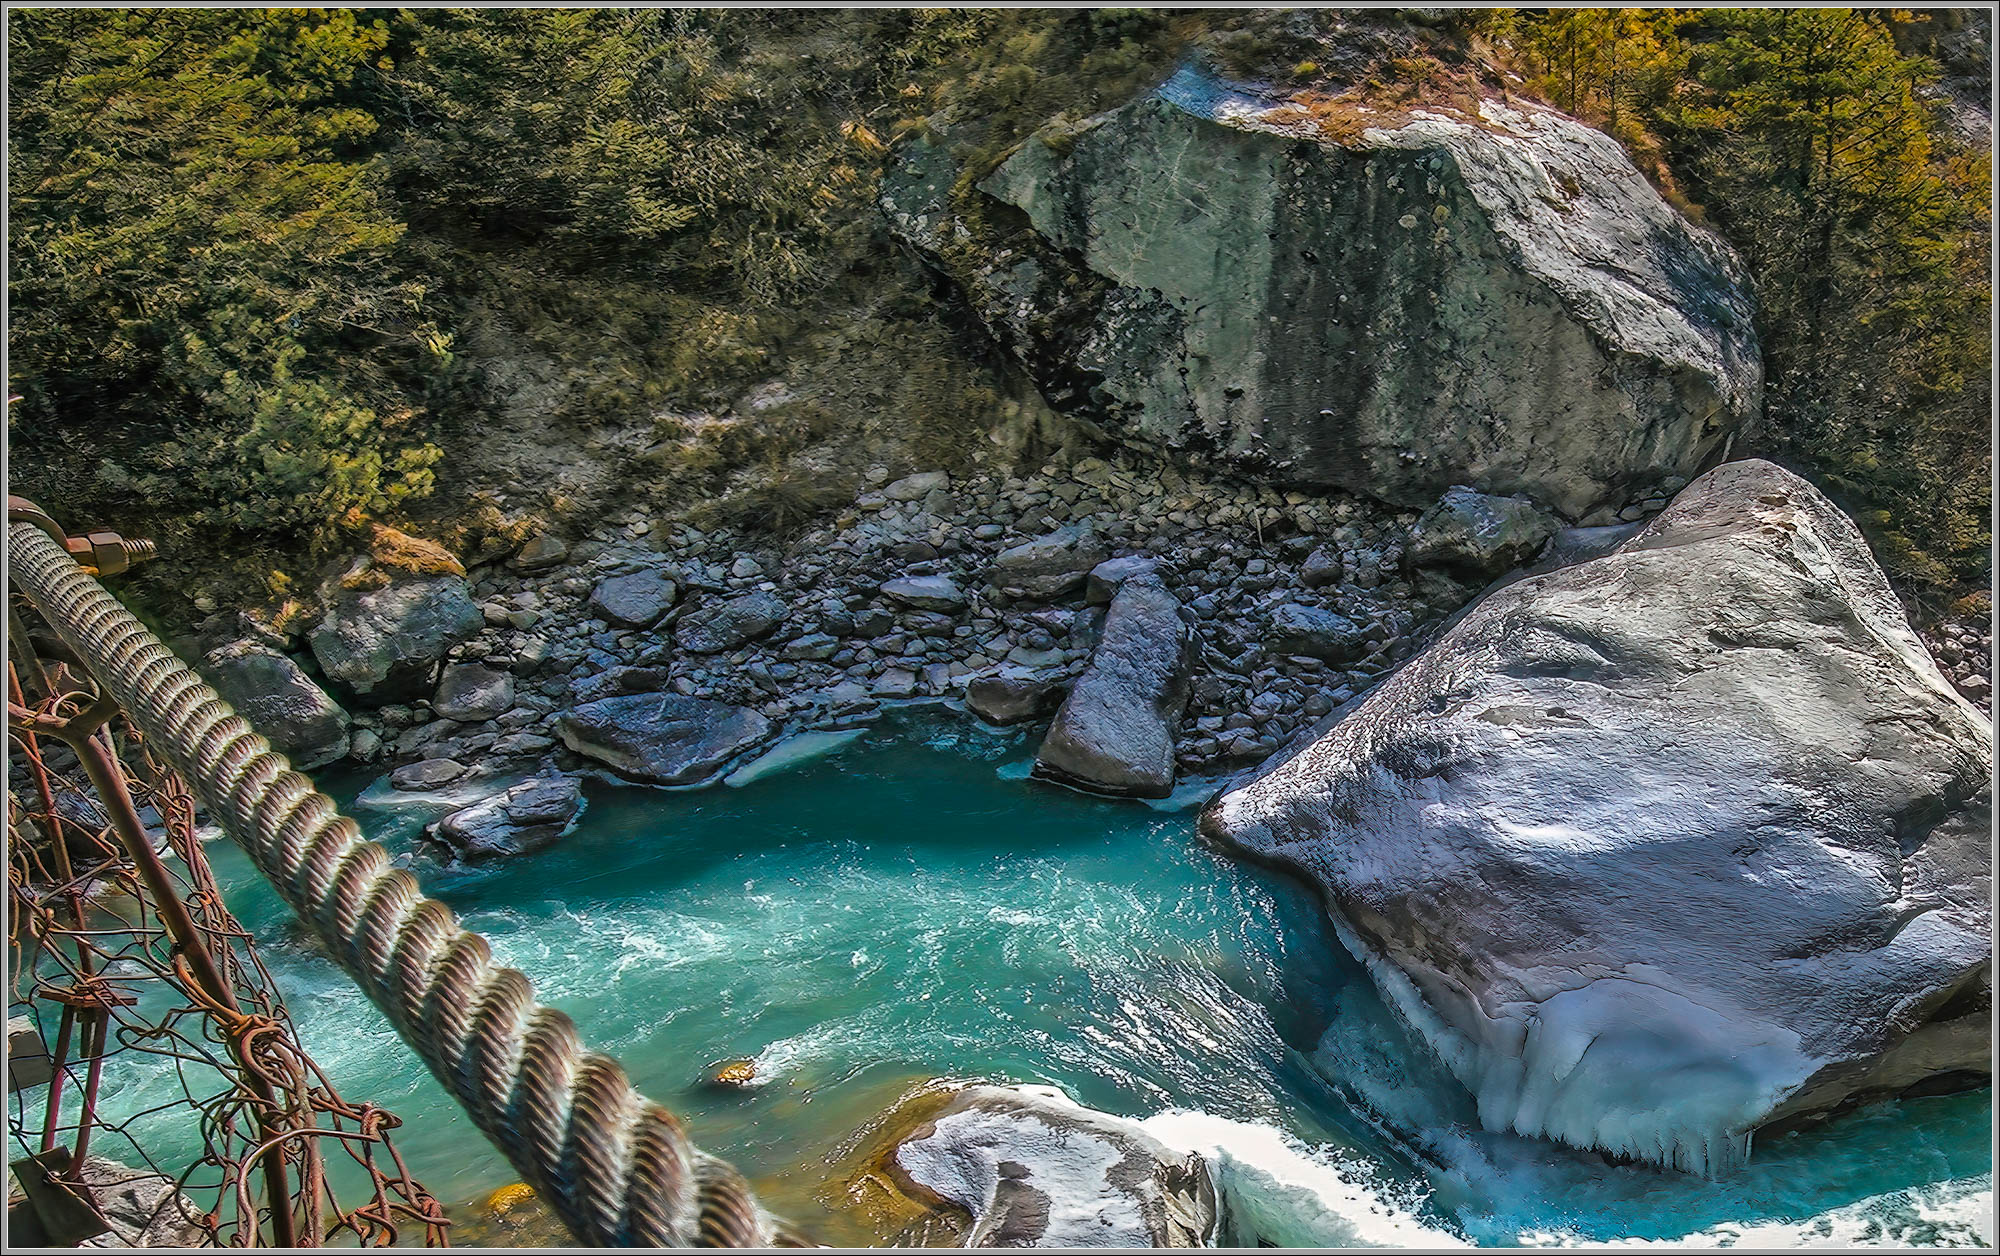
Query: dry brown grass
x=392, y=549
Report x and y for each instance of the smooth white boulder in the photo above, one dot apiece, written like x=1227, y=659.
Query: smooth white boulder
x=1668, y=845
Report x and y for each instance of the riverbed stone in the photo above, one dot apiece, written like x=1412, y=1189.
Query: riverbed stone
x=1012, y=696
x=426, y=774
x=473, y=691
x=926, y=593
x=1115, y=731
x=1323, y=567
x=635, y=600
x=521, y=820
x=1049, y=566
x=541, y=552
x=1478, y=533
x=1034, y=1169
x=1315, y=632
x=916, y=487
x=812, y=647
x=725, y=625
x=1109, y=576
x=662, y=738
x=383, y=644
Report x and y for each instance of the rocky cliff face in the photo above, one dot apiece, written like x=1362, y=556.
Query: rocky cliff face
x=1389, y=305
x=1680, y=842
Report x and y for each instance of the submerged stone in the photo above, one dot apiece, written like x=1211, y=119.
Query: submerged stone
x=662, y=738
x=1034, y=1169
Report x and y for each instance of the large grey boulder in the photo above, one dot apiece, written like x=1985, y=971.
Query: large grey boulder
x=1477, y=533
x=725, y=625
x=384, y=644
x=1050, y=566
x=280, y=701
x=1034, y=1169
x=1666, y=846
x=473, y=691
x=662, y=738
x=526, y=818
x=635, y=600
x=1115, y=731
x=1495, y=299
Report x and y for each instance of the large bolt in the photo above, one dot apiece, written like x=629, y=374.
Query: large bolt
x=106, y=553
x=109, y=552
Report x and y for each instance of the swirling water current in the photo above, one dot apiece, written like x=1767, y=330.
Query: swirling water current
x=910, y=907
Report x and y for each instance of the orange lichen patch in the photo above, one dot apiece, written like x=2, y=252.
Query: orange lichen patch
x=399, y=551
x=508, y=1198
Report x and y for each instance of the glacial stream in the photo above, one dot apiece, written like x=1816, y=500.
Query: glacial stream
x=910, y=907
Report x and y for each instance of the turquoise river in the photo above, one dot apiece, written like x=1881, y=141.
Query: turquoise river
x=909, y=907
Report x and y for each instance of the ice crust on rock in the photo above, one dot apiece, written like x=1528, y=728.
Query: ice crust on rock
x=1665, y=846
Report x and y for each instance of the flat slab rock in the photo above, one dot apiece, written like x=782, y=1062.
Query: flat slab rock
x=662, y=738
x=1035, y=1170
x=1666, y=846
x=526, y=818
x=1114, y=733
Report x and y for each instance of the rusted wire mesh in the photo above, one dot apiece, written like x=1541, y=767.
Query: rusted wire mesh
x=130, y=965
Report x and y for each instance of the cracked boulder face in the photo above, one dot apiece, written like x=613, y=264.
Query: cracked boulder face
x=1671, y=845
x=1499, y=300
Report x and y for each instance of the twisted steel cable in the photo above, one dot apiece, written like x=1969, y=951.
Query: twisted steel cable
x=618, y=1168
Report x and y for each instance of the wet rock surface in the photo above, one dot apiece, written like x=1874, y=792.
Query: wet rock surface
x=662, y=739
x=1013, y=697
x=1668, y=845
x=521, y=820
x=1035, y=1170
